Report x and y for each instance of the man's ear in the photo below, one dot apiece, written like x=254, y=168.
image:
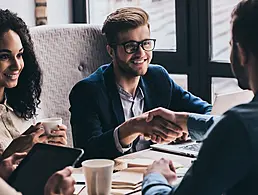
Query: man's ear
x=243, y=55
x=110, y=51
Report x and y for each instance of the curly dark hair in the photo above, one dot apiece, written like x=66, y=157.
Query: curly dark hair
x=24, y=98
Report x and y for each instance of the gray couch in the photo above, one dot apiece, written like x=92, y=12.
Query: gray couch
x=66, y=54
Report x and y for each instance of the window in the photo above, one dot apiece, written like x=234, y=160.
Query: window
x=221, y=14
x=161, y=12
x=220, y=37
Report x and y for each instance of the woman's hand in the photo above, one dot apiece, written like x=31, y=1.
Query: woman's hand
x=58, y=136
x=23, y=143
x=9, y=164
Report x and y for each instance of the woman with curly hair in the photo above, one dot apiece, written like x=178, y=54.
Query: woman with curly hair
x=20, y=89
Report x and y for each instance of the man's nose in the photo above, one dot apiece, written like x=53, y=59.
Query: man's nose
x=140, y=50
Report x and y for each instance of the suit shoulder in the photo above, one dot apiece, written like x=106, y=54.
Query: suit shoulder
x=93, y=81
x=155, y=70
x=244, y=112
x=156, y=67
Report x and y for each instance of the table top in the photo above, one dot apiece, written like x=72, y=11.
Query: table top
x=150, y=154
x=156, y=155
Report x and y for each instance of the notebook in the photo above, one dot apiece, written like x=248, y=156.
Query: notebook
x=188, y=148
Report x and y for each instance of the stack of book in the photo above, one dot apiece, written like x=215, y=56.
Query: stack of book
x=129, y=180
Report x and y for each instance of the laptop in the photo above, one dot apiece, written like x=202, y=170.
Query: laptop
x=224, y=102
x=189, y=148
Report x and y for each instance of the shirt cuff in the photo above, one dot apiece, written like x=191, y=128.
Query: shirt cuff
x=155, y=183
x=198, y=125
x=118, y=144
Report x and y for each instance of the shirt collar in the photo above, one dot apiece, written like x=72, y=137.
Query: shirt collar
x=5, y=103
x=139, y=93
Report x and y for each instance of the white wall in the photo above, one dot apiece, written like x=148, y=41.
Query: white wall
x=59, y=11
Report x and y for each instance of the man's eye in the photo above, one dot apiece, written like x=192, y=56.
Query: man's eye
x=147, y=42
x=131, y=46
x=4, y=57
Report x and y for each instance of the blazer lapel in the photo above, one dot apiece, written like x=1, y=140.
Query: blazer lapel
x=112, y=91
x=148, y=103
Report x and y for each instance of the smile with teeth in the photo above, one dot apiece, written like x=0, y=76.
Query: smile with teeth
x=138, y=61
x=12, y=76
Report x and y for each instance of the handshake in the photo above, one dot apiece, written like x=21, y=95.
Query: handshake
x=169, y=125
x=159, y=125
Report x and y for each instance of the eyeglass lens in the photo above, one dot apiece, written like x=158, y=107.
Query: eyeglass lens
x=132, y=47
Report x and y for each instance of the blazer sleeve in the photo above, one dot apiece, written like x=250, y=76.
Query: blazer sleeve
x=222, y=163
x=86, y=125
x=182, y=100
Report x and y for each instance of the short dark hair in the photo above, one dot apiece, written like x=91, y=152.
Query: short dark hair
x=24, y=98
x=245, y=25
x=122, y=20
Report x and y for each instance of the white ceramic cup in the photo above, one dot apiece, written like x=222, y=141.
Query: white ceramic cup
x=50, y=124
x=98, y=176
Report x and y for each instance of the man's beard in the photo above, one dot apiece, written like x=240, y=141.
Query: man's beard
x=126, y=70
x=238, y=70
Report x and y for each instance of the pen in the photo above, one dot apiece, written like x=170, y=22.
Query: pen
x=80, y=183
x=138, y=190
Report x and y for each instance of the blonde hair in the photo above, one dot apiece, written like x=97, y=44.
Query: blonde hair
x=122, y=20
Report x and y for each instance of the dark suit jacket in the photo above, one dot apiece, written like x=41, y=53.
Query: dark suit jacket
x=96, y=108
x=227, y=162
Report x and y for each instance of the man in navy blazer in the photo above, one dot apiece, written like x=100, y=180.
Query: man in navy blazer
x=109, y=108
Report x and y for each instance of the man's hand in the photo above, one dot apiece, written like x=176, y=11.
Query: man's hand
x=60, y=183
x=159, y=126
x=9, y=164
x=58, y=136
x=177, y=118
x=163, y=167
x=23, y=143
x=163, y=129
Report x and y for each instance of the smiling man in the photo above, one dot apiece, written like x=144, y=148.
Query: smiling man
x=107, y=108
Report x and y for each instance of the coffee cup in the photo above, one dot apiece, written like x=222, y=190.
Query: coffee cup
x=98, y=176
x=50, y=124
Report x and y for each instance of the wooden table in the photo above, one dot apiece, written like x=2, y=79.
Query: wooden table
x=154, y=155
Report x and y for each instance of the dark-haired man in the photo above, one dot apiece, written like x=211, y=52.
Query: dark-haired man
x=107, y=108
x=228, y=160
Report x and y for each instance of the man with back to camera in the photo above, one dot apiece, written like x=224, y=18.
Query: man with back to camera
x=107, y=108
x=228, y=159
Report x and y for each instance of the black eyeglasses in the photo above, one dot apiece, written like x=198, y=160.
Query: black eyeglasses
x=133, y=46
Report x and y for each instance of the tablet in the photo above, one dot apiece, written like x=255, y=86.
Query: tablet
x=42, y=161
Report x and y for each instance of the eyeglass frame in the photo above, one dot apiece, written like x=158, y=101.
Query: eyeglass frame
x=140, y=43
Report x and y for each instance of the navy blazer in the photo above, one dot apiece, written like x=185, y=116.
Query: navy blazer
x=96, y=108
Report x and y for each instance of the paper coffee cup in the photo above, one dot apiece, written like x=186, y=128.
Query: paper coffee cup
x=50, y=124
x=98, y=176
